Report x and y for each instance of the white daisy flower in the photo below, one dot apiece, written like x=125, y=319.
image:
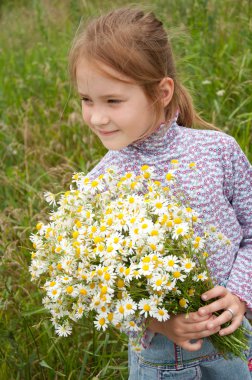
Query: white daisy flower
x=57, y=311
x=187, y=265
x=116, y=240
x=120, y=311
x=159, y=205
x=146, y=307
x=71, y=291
x=37, y=240
x=198, y=243
x=47, y=302
x=120, y=269
x=37, y=267
x=50, y=198
x=183, y=302
x=176, y=291
x=180, y=230
x=179, y=275
x=79, y=311
x=129, y=272
x=171, y=263
x=95, y=303
x=146, y=268
x=64, y=330
x=201, y=277
x=158, y=282
x=161, y=314
x=113, y=318
x=145, y=226
x=129, y=305
x=83, y=291
x=68, y=264
x=66, y=279
x=170, y=284
x=131, y=326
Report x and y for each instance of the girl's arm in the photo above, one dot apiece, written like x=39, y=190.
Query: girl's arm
x=237, y=295
x=238, y=187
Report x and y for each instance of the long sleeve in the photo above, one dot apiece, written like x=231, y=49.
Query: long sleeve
x=240, y=197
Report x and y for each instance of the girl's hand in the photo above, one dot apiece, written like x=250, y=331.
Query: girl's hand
x=227, y=300
x=182, y=328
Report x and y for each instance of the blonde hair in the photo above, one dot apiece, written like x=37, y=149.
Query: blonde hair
x=135, y=44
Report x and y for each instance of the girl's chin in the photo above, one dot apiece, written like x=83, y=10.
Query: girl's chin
x=114, y=145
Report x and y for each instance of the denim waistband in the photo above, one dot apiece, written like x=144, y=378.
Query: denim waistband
x=180, y=361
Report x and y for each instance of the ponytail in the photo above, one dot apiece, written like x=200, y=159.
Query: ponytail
x=188, y=116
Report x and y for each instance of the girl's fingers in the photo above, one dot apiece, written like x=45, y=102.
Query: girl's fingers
x=231, y=328
x=194, y=317
x=220, y=320
x=201, y=334
x=217, y=291
x=198, y=327
x=220, y=304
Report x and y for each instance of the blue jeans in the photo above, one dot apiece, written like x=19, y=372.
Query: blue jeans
x=165, y=360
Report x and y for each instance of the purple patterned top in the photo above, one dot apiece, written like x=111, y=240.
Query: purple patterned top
x=220, y=190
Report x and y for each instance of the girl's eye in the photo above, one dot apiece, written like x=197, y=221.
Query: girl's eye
x=85, y=100
x=114, y=101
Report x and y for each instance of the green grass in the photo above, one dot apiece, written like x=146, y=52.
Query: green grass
x=43, y=141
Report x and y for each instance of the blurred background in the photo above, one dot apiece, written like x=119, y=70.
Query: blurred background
x=43, y=141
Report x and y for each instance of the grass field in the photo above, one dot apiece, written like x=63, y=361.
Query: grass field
x=43, y=141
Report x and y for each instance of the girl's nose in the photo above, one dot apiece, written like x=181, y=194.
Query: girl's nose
x=99, y=119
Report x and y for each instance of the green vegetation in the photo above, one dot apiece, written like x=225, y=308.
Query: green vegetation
x=43, y=141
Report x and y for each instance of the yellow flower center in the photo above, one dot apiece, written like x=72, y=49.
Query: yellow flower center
x=59, y=266
x=146, y=307
x=146, y=260
x=107, y=276
x=104, y=289
x=39, y=226
x=75, y=234
x=69, y=289
x=182, y=302
x=102, y=321
x=120, y=283
x=121, y=309
x=176, y=274
x=146, y=267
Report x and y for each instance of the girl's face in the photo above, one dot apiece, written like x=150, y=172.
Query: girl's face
x=119, y=113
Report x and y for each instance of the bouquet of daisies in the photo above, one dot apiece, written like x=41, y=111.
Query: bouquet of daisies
x=122, y=249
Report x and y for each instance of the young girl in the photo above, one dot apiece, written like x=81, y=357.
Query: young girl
x=132, y=99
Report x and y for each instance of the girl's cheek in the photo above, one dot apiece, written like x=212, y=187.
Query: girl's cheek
x=85, y=115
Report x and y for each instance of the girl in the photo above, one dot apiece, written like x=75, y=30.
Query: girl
x=132, y=99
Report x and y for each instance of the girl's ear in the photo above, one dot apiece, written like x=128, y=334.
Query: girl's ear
x=166, y=87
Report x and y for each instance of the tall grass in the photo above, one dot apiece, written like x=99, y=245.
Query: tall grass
x=43, y=141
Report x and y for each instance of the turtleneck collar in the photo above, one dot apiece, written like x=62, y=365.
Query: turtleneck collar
x=156, y=143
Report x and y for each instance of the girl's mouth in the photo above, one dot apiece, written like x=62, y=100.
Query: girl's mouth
x=105, y=133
